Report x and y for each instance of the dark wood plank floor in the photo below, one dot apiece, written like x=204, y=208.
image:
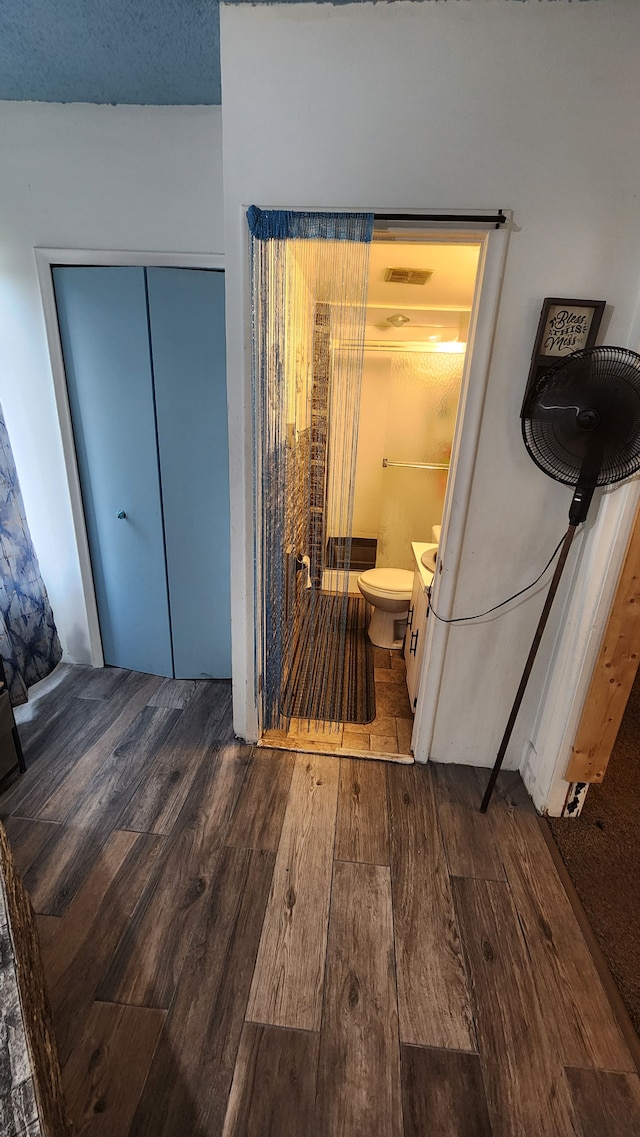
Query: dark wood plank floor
x=243, y=943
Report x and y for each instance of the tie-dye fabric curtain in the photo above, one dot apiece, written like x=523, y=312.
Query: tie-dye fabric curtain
x=29, y=643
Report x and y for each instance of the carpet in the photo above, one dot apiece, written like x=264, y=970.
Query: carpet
x=323, y=683
x=601, y=850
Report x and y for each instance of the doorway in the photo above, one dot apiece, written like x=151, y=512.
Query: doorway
x=421, y=295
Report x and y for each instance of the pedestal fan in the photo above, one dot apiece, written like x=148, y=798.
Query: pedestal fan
x=581, y=425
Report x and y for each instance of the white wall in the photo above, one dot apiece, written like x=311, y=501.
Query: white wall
x=85, y=177
x=480, y=105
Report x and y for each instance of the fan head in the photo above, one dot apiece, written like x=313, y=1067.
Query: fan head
x=582, y=421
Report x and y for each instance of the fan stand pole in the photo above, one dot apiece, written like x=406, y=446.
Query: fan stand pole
x=553, y=588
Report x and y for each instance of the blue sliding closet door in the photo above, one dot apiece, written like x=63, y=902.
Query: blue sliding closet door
x=144, y=358
x=105, y=341
x=186, y=312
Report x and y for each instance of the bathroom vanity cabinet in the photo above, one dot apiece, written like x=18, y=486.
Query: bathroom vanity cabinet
x=417, y=622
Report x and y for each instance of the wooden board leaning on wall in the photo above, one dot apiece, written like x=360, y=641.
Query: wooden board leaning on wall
x=613, y=675
x=30, y=1087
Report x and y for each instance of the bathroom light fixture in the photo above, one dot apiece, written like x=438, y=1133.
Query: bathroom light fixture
x=398, y=320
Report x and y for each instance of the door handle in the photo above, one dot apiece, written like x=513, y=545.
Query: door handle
x=121, y=515
x=410, y=617
x=414, y=642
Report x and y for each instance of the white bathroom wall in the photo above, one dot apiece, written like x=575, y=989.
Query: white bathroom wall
x=478, y=105
x=85, y=177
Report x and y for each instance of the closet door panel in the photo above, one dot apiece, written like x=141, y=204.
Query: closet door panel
x=104, y=330
x=186, y=312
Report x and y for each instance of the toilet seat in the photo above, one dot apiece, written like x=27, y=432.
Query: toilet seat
x=396, y=584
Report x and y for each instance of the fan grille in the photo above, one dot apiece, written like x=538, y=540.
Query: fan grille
x=602, y=385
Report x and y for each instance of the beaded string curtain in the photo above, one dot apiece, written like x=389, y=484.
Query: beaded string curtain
x=309, y=292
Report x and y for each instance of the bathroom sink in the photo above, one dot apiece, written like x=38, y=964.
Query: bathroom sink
x=429, y=558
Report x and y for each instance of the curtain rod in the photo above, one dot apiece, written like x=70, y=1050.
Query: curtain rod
x=496, y=219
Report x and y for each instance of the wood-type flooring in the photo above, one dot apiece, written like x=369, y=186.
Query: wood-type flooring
x=242, y=943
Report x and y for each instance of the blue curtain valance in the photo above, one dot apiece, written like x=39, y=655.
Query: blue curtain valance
x=283, y=224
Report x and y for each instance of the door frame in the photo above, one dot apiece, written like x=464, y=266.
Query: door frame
x=45, y=259
x=484, y=315
x=482, y=328
x=601, y=552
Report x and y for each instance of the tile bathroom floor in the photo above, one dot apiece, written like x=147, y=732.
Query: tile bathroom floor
x=387, y=736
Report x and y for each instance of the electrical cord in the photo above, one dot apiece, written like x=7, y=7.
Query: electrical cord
x=479, y=615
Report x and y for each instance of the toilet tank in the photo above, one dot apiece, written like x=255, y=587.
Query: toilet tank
x=435, y=529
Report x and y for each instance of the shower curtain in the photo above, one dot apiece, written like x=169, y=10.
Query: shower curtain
x=29, y=644
x=309, y=291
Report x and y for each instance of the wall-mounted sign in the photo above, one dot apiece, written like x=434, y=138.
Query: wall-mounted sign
x=565, y=326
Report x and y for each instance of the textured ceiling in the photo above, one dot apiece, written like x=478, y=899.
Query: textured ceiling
x=161, y=52
x=110, y=51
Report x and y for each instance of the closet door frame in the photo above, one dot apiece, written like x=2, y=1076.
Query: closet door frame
x=46, y=258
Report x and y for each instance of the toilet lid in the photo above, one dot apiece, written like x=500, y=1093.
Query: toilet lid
x=389, y=580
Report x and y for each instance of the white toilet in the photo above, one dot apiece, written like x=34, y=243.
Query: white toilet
x=389, y=591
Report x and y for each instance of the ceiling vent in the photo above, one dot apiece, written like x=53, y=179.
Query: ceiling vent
x=407, y=275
